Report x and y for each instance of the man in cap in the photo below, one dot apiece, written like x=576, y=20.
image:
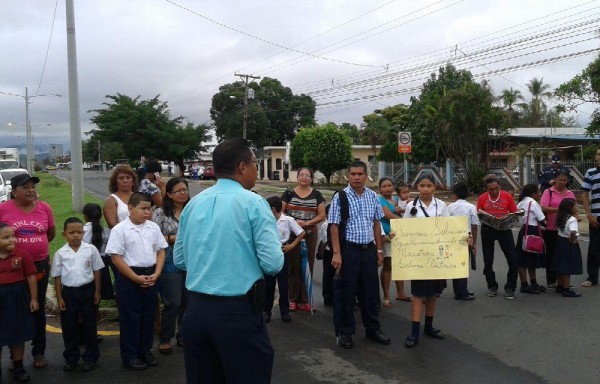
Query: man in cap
x=547, y=176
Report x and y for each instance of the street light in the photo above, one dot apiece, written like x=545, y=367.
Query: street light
x=28, y=125
x=29, y=141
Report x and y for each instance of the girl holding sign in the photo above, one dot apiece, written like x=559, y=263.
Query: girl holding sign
x=425, y=291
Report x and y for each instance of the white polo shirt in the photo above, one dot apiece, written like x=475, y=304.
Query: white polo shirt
x=285, y=226
x=137, y=243
x=76, y=268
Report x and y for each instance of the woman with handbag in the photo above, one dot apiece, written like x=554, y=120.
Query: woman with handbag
x=530, y=245
x=171, y=283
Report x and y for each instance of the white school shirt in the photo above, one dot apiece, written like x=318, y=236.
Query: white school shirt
x=137, y=243
x=401, y=203
x=437, y=208
x=536, y=214
x=571, y=225
x=462, y=207
x=76, y=268
x=323, y=233
x=285, y=226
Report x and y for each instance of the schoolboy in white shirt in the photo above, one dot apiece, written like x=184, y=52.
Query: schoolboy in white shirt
x=137, y=249
x=76, y=271
x=461, y=207
x=286, y=226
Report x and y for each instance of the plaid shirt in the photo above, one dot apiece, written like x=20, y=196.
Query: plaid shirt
x=364, y=210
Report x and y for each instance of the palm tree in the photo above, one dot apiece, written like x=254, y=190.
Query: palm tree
x=509, y=97
x=538, y=90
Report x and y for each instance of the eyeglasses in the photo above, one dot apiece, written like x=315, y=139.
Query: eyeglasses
x=304, y=176
x=180, y=191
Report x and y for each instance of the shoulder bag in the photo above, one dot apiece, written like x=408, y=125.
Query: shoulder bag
x=532, y=243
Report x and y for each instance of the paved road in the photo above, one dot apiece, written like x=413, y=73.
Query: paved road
x=532, y=339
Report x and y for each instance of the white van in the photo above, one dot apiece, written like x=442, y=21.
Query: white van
x=5, y=176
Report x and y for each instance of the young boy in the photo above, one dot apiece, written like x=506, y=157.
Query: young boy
x=137, y=249
x=461, y=207
x=285, y=226
x=76, y=271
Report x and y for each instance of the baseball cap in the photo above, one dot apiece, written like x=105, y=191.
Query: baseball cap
x=22, y=179
x=556, y=159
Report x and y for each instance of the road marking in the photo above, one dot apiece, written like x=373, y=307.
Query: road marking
x=52, y=329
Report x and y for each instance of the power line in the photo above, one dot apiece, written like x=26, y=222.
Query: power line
x=267, y=41
x=47, y=50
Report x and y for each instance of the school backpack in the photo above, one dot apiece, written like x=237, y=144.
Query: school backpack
x=345, y=212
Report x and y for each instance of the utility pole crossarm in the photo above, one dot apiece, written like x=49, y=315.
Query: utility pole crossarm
x=247, y=79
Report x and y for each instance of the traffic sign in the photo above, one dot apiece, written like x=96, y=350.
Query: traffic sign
x=404, y=142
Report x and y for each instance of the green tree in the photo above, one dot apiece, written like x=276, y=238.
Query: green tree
x=584, y=88
x=147, y=129
x=375, y=131
x=325, y=148
x=535, y=110
x=464, y=119
x=352, y=132
x=426, y=147
x=274, y=114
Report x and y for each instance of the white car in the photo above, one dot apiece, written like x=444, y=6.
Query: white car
x=5, y=176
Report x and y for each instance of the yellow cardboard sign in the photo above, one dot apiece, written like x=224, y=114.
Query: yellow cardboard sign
x=430, y=248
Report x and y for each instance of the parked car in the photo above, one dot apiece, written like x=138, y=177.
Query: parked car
x=5, y=176
x=207, y=174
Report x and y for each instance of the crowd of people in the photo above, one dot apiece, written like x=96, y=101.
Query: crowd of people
x=217, y=285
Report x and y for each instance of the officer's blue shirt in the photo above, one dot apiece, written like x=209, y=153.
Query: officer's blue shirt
x=227, y=239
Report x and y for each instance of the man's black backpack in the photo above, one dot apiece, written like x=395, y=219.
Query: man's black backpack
x=345, y=212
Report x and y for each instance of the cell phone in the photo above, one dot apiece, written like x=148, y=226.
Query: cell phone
x=157, y=176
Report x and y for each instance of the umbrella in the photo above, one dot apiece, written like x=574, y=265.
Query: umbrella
x=306, y=276
x=337, y=304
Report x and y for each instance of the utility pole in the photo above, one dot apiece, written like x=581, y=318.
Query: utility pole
x=76, y=156
x=29, y=144
x=247, y=79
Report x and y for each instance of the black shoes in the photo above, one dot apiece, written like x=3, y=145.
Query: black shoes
x=20, y=375
x=69, y=367
x=88, y=366
x=464, y=297
x=135, y=365
x=570, y=293
x=286, y=318
x=435, y=333
x=346, y=341
x=149, y=359
x=378, y=337
x=267, y=317
x=411, y=341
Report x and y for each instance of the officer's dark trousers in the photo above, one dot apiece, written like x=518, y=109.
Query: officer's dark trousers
x=225, y=341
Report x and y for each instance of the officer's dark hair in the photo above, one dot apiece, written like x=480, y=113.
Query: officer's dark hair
x=71, y=220
x=460, y=190
x=359, y=164
x=138, y=197
x=275, y=202
x=229, y=154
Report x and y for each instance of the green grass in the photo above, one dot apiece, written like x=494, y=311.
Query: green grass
x=57, y=193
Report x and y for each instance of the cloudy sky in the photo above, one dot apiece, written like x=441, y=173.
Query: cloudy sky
x=351, y=56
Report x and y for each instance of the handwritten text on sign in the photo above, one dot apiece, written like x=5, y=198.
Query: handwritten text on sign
x=430, y=248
